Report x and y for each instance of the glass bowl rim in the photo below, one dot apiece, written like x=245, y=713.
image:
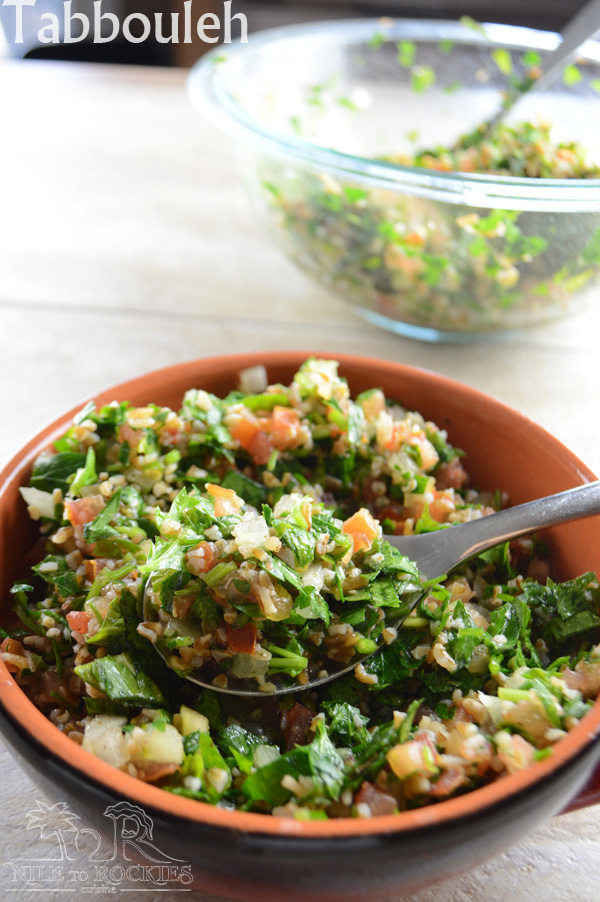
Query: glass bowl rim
x=209, y=87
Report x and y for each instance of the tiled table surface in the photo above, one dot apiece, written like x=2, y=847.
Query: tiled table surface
x=127, y=243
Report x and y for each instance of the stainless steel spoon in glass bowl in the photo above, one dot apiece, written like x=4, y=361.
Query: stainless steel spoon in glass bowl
x=580, y=28
x=435, y=554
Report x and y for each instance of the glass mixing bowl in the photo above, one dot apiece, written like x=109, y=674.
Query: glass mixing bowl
x=452, y=256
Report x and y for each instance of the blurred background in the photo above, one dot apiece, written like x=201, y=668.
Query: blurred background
x=549, y=14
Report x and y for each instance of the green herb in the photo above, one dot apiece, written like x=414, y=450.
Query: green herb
x=113, y=625
x=503, y=60
x=319, y=760
x=86, y=475
x=346, y=724
x=208, y=764
x=266, y=401
x=394, y=663
x=62, y=581
x=284, y=660
x=280, y=571
x=421, y=78
x=310, y=604
x=376, y=41
x=453, y=87
x=348, y=104
x=218, y=574
x=100, y=527
x=251, y=491
x=52, y=471
x=468, y=22
x=531, y=59
x=118, y=677
x=240, y=743
x=406, y=53
x=210, y=705
x=571, y=75
x=107, y=576
x=445, y=46
x=299, y=540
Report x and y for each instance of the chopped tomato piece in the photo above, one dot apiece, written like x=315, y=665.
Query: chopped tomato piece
x=94, y=567
x=284, y=428
x=433, y=163
x=247, y=430
x=565, y=154
x=172, y=433
x=205, y=562
x=78, y=621
x=400, y=435
x=295, y=725
x=376, y=798
x=514, y=751
x=260, y=448
x=226, y=500
x=83, y=510
x=396, y=513
x=242, y=639
x=362, y=528
x=244, y=428
x=12, y=647
x=451, y=475
x=126, y=433
x=365, y=490
x=438, y=509
x=451, y=780
x=218, y=491
x=150, y=771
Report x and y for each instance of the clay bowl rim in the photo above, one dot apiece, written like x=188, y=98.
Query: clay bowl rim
x=30, y=722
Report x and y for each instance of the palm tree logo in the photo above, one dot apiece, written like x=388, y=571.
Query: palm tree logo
x=53, y=819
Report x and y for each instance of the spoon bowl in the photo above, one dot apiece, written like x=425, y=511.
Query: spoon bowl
x=435, y=554
x=276, y=684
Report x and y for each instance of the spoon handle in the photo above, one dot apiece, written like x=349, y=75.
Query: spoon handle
x=539, y=514
x=437, y=553
x=580, y=28
x=584, y=24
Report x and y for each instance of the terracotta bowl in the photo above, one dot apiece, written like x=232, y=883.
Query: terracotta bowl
x=258, y=857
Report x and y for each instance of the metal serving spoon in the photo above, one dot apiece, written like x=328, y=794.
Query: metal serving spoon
x=580, y=28
x=436, y=554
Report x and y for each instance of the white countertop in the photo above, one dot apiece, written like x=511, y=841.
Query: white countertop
x=127, y=243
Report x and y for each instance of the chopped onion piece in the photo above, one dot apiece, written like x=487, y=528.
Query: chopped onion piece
x=253, y=380
x=42, y=500
x=244, y=666
x=265, y=754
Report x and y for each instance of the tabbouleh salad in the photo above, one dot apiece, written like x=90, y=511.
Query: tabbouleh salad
x=260, y=516
x=443, y=265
